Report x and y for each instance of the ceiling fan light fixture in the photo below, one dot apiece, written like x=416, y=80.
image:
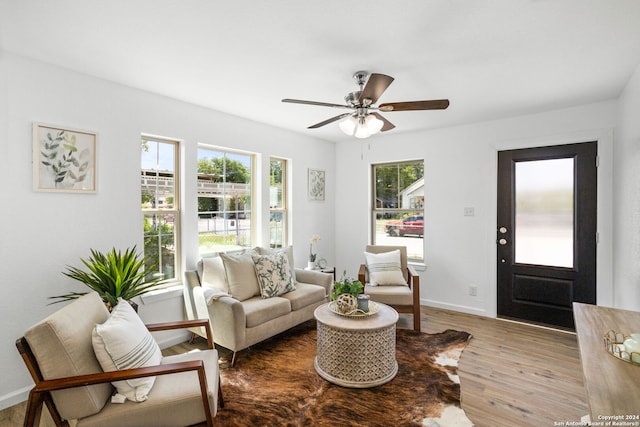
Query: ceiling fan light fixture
x=362, y=130
x=366, y=125
x=374, y=124
x=348, y=125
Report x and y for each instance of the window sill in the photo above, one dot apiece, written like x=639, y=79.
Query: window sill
x=418, y=266
x=157, y=295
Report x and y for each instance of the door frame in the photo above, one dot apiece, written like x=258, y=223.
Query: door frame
x=604, y=254
x=547, y=291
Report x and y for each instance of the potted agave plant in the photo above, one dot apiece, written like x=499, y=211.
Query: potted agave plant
x=112, y=275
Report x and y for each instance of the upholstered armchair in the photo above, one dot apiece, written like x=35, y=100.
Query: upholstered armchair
x=398, y=285
x=61, y=355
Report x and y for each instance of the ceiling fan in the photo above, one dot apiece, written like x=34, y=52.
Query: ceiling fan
x=364, y=119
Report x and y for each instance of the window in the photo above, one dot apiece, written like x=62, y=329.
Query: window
x=398, y=206
x=277, y=203
x=224, y=200
x=160, y=207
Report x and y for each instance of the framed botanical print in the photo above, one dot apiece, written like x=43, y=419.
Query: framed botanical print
x=316, y=184
x=64, y=160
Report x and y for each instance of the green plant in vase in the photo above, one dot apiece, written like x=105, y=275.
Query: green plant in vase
x=346, y=286
x=112, y=275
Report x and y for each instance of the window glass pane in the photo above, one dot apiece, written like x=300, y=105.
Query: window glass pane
x=399, y=206
x=159, y=206
x=159, y=245
x=224, y=201
x=276, y=229
x=544, y=212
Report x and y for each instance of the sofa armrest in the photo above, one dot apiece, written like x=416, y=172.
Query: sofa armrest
x=315, y=278
x=226, y=316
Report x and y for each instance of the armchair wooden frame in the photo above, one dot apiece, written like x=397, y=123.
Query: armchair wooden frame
x=413, y=281
x=41, y=392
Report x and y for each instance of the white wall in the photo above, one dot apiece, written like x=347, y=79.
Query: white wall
x=461, y=171
x=627, y=197
x=43, y=232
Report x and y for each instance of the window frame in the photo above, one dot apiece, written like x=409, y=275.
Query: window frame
x=283, y=210
x=252, y=195
x=396, y=211
x=175, y=210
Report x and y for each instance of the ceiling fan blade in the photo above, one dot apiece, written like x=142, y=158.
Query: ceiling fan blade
x=376, y=85
x=435, y=104
x=387, y=124
x=331, y=120
x=322, y=104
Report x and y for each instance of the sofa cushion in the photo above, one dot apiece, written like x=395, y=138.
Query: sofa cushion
x=305, y=295
x=213, y=275
x=258, y=310
x=385, y=268
x=241, y=275
x=61, y=344
x=288, y=251
x=175, y=400
x=274, y=274
x=124, y=342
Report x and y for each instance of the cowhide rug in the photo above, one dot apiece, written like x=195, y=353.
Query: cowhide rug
x=274, y=383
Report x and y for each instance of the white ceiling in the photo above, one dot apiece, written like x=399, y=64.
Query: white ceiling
x=490, y=58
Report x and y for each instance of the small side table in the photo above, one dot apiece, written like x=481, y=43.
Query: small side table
x=357, y=353
x=330, y=271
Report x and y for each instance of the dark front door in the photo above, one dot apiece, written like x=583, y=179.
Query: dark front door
x=546, y=234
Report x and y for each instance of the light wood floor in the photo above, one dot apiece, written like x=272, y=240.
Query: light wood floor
x=511, y=374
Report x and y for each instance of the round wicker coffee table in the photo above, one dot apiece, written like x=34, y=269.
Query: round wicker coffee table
x=356, y=352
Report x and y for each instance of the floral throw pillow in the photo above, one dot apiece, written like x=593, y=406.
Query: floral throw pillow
x=274, y=274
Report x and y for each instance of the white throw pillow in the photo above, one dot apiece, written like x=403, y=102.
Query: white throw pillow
x=213, y=274
x=241, y=275
x=274, y=274
x=124, y=342
x=385, y=268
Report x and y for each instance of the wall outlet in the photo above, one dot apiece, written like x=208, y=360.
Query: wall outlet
x=473, y=290
x=469, y=211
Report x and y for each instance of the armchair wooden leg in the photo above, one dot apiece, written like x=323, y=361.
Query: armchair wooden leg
x=34, y=409
x=220, y=398
x=53, y=411
x=416, y=320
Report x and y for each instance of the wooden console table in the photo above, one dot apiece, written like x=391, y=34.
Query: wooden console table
x=613, y=386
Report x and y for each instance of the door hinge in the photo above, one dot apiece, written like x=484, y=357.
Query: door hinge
x=597, y=237
x=597, y=161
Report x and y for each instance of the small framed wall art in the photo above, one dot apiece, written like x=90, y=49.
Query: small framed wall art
x=64, y=160
x=316, y=184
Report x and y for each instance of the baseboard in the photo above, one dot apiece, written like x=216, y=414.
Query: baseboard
x=454, y=307
x=14, y=397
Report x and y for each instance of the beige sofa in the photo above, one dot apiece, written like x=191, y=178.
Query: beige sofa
x=228, y=291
